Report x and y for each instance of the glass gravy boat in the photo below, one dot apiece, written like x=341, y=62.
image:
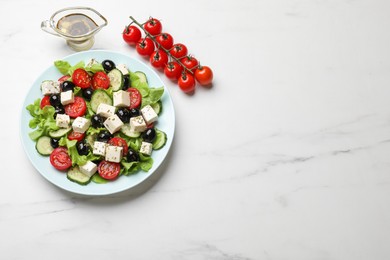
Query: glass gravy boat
x=77, y=25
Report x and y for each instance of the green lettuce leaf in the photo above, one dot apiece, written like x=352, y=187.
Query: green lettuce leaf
x=76, y=158
x=62, y=66
x=42, y=119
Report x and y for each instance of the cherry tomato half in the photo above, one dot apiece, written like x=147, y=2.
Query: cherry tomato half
x=77, y=108
x=63, y=78
x=173, y=70
x=117, y=141
x=131, y=34
x=108, y=170
x=135, y=98
x=145, y=47
x=81, y=78
x=186, y=83
x=204, y=75
x=165, y=40
x=60, y=158
x=100, y=80
x=179, y=50
x=159, y=59
x=45, y=102
x=76, y=136
x=190, y=62
x=153, y=26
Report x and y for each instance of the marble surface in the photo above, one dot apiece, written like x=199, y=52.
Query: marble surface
x=285, y=157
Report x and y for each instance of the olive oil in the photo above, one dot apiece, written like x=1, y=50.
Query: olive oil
x=76, y=24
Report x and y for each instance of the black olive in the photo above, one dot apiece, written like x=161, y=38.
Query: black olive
x=82, y=148
x=132, y=156
x=104, y=136
x=59, y=110
x=67, y=85
x=87, y=93
x=55, y=100
x=134, y=112
x=54, y=142
x=97, y=121
x=123, y=114
x=108, y=65
x=126, y=82
x=149, y=135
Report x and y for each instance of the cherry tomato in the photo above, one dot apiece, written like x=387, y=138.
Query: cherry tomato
x=159, y=59
x=165, y=40
x=178, y=50
x=135, y=98
x=204, y=75
x=60, y=158
x=76, y=136
x=81, y=78
x=45, y=102
x=100, y=80
x=63, y=78
x=190, y=62
x=117, y=141
x=153, y=26
x=131, y=35
x=186, y=83
x=145, y=46
x=173, y=70
x=108, y=170
x=77, y=108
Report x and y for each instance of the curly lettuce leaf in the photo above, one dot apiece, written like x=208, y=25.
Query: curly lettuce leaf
x=42, y=119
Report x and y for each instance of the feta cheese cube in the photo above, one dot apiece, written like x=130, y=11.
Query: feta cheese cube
x=105, y=110
x=113, y=123
x=49, y=87
x=88, y=169
x=91, y=63
x=81, y=124
x=67, y=97
x=121, y=98
x=149, y=114
x=146, y=148
x=137, y=124
x=99, y=148
x=114, y=153
x=123, y=69
x=62, y=120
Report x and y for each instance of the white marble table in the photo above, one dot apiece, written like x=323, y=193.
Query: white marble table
x=286, y=157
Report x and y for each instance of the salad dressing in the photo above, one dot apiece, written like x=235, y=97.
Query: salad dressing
x=76, y=24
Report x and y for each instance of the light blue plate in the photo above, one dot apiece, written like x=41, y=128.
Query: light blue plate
x=166, y=123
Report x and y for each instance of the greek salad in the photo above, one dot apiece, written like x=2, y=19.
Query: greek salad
x=98, y=121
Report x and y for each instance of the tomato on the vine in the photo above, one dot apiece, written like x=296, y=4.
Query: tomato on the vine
x=173, y=70
x=158, y=59
x=178, y=50
x=145, y=46
x=204, y=75
x=131, y=34
x=153, y=26
x=186, y=83
x=190, y=62
x=165, y=40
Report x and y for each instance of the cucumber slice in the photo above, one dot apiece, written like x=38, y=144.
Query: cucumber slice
x=116, y=79
x=43, y=145
x=157, y=107
x=126, y=130
x=98, y=97
x=160, y=141
x=90, y=140
x=74, y=174
x=142, y=77
x=60, y=132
